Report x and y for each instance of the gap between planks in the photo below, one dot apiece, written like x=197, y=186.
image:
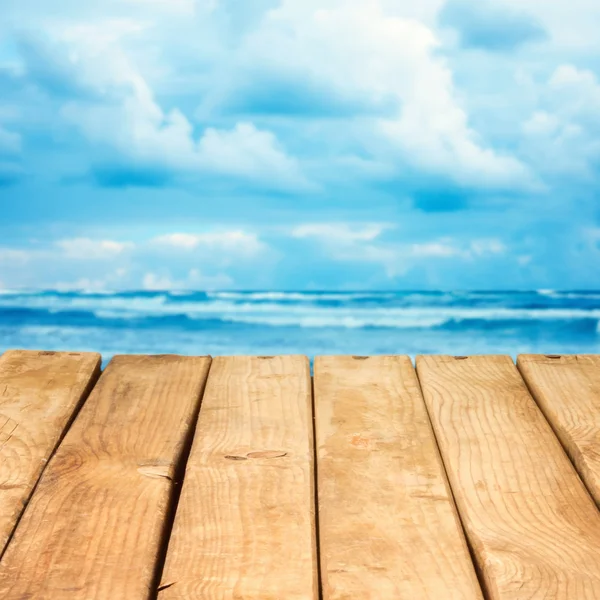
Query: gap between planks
x=41, y=393
x=516, y=490
x=115, y=467
x=388, y=524
x=245, y=527
x=567, y=390
x=545, y=396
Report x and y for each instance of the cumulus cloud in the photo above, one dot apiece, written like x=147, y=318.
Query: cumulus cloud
x=371, y=66
x=89, y=249
x=231, y=242
x=449, y=248
x=575, y=94
x=487, y=246
x=377, y=67
x=110, y=281
x=368, y=244
x=339, y=232
x=165, y=142
x=208, y=260
x=187, y=241
x=195, y=280
x=437, y=249
x=358, y=50
x=562, y=137
x=370, y=105
x=14, y=256
x=247, y=151
x=352, y=242
x=113, y=105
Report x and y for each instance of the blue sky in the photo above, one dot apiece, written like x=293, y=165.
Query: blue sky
x=293, y=144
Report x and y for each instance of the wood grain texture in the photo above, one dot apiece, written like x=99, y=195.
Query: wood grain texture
x=567, y=389
x=534, y=528
x=245, y=525
x=94, y=526
x=39, y=394
x=387, y=521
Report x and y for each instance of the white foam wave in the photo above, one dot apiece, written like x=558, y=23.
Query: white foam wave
x=569, y=295
x=348, y=317
x=400, y=318
x=84, y=302
x=299, y=296
x=347, y=322
x=270, y=311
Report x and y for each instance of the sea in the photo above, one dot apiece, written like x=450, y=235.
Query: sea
x=310, y=323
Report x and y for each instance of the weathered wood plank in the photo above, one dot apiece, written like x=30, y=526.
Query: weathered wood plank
x=245, y=524
x=39, y=394
x=534, y=528
x=94, y=526
x=387, y=521
x=567, y=389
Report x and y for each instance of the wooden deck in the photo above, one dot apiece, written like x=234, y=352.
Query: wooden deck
x=243, y=478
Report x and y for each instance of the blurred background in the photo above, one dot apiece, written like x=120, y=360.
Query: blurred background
x=293, y=176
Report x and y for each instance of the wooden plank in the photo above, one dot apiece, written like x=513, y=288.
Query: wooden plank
x=39, y=394
x=534, y=528
x=388, y=525
x=567, y=389
x=245, y=525
x=94, y=527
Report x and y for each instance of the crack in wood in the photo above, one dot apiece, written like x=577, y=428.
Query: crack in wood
x=165, y=586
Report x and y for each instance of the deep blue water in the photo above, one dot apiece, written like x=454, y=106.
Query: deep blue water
x=312, y=323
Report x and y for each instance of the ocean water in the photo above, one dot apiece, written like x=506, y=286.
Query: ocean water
x=312, y=323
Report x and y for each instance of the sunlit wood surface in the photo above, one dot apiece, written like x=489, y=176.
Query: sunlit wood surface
x=244, y=478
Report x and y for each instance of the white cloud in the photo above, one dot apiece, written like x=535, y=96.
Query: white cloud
x=250, y=152
x=563, y=136
x=85, y=284
x=147, y=136
x=448, y=248
x=353, y=243
x=541, y=123
x=152, y=281
x=195, y=280
x=231, y=242
x=370, y=52
x=362, y=51
x=186, y=241
x=487, y=246
x=110, y=281
x=575, y=92
x=119, y=110
x=434, y=249
x=339, y=233
x=12, y=256
x=363, y=244
x=86, y=248
x=343, y=235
